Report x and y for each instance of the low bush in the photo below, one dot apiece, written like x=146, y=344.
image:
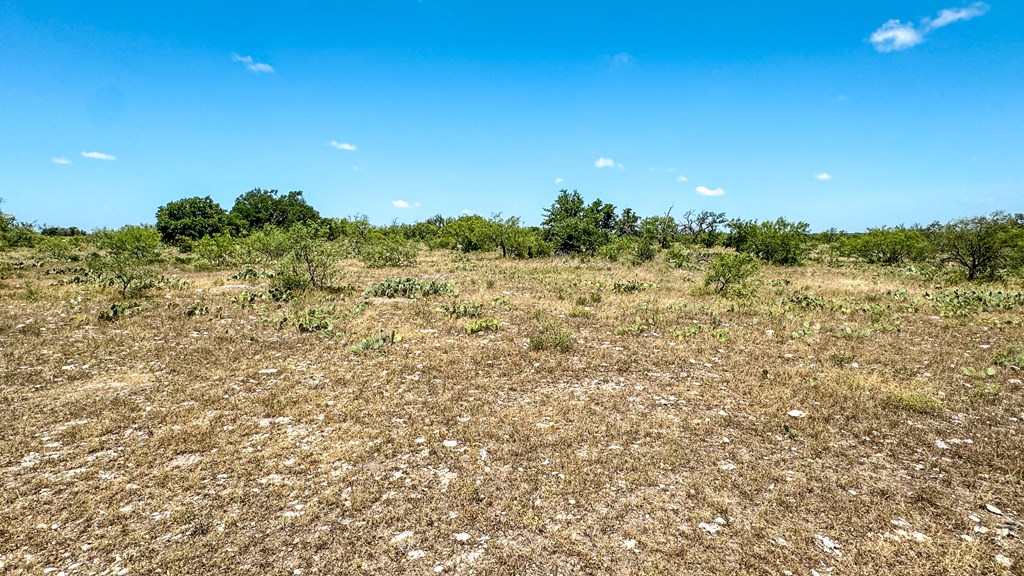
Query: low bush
x=730, y=274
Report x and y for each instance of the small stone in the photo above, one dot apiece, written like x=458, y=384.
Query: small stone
x=941, y=445
x=268, y=371
x=629, y=544
x=797, y=413
x=993, y=510
x=919, y=537
x=417, y=554
x=1004, y=561
x=450, y=443
x=402, y=536
x=900, y=522
x=709, y=527
x=828, y=545
x=974, y=518
x=980, y=530
x=462, y=537
x=966, y=538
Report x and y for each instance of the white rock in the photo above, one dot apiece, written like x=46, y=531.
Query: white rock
x=900, y=522
x=1004, y=561
x=709, y=527
x=268, y=371
x=450, y=443
x=966, y=538
x=993, y=510
x=797, y=413
x=980, y=530
x=828, y=545
x=417, y=554
x=974, y=518
x=629, y=544
x=919, y=537
x=941, y=445
x=483, y=453
x=727, y=465
x=462, y=537
x=402, y=536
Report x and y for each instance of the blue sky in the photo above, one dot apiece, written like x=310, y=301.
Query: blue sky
x=842, y=114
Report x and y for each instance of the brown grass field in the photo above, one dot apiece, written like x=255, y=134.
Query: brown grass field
x=594, y=431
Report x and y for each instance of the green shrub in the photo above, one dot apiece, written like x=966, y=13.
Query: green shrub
x=483, y=325
x=643, y=251
x=462, y=309
x=286, y=285
x=379, y=342
x=1012, y=356
x=381, y=251
x=411, y=288
x=218, y=251
x=118, y=310
x=128, y=256
x=317, y=319
x=729, y=274
x=682, y=257
x=982, y=246
x=889, y=246
x=914, y=402
x=631, y=286
x=551, y=337
x=778, y=242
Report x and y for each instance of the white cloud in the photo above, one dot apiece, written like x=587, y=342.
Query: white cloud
x=622, y=59
x=895, y=35
x=260, y=67
x=952, y=15
x=343, y=145
x=252, y=65
x=559, y=180
x=61, y=160
x=824, y=176
x=98, y=156
x=400, y=204
x=705, y=191
x=682, y=179
x=603, y=162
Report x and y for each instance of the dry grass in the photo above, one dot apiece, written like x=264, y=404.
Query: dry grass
x=229, y=441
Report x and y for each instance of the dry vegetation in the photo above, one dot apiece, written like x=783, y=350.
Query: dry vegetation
x=543, y=421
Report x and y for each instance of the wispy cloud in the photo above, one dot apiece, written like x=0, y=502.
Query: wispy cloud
x=98, y=156
x=661, y=169
x=894, y=35
x=622, y=59
x=603, y=162
x=400, y=204
x=951, y=15
x=343, y=145
x=61, y=160
x=705, y=191
x=559, y=180
x=251, y=64
x=682, y=179
x=823, y=176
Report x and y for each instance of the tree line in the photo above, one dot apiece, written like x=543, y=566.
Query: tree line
x=269, y=225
